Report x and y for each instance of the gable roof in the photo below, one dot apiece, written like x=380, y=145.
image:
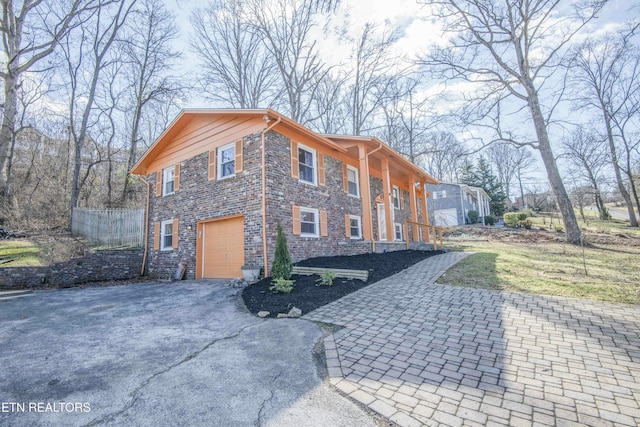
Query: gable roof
x=186, y=116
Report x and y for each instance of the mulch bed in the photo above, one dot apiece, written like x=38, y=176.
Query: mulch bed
x=307, y=295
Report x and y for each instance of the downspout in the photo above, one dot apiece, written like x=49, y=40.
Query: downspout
x=373, y=240
x=146, y=226
x=264, y=195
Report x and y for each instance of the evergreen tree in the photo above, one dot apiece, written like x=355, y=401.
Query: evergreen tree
x=282, y=259
x=482, y=176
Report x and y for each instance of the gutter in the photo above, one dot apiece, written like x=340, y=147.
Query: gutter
x=264, y=194
x=373, y=240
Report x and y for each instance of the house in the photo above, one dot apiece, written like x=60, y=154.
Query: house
x=212, y=207
x=450, y=204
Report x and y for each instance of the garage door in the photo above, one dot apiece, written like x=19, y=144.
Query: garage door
x=446, y=217
x=223, y=248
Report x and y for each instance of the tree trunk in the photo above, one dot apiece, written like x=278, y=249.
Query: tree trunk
x=572, y=231
x=616, y=168
x=7, y=138
x=133, y=148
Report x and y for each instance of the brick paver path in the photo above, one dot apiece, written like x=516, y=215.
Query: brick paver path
x=421, y=353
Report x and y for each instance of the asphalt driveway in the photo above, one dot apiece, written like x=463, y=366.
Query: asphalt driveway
x=162, y=355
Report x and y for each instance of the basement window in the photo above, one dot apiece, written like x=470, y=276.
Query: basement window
x=355, y=227
x=166, y=235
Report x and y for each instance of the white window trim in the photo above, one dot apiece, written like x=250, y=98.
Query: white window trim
x=357, y=218
x=316, y=214
x=315, y=164
x=442, y=194
x=219, y=160
x=396, y=190
x=351, y=168
x=397, y=226
x=165, y=180
x=163, y=235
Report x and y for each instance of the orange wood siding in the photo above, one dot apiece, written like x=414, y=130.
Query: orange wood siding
x=297, y=227
x=201, y=135
x=324, y=232
x=238, y=160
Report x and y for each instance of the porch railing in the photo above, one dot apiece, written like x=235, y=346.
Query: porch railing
x=427, y=233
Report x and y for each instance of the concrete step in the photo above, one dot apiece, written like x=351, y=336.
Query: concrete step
x=339, y=272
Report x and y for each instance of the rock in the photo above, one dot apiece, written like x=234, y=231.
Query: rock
x=282, y=316
x=263, y=313
x=295, y=312
x=238, y=283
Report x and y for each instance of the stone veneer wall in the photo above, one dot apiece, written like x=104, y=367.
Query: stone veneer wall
x=199, y=199
x=284, y=192
x=95, y=266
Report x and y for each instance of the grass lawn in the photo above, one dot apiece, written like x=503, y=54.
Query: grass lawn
x=591, y=223
x=548, y=267
x=22, y=253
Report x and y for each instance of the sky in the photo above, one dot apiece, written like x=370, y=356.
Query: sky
x=417, y=35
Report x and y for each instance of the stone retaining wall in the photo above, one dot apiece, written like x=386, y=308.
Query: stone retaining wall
x=95, y=266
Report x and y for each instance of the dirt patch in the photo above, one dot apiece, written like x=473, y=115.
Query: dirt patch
x=307, y=294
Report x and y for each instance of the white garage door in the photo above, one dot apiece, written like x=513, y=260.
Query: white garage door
x=446, y=217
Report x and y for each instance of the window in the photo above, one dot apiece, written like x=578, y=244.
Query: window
x=398, y=228
x=440, y=194
x=308, y=222
x=168, y=179
x=227, y=161
x=355, y=227
x=307, y=164
x=352, y=181
x=166, y=235
x=396, y=197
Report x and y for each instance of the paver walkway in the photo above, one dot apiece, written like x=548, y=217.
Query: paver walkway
x=421, y=353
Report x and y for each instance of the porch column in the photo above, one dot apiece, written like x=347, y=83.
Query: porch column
x=414, y=207
x=386, y=189
x=425, y=211
x=365, y=193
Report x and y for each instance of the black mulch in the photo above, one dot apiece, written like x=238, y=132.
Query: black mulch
x=307, y=295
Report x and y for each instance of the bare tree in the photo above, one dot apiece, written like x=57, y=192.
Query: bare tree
x=86, y=62
x=608, y=70
x=507, y=160
x=524, y=163
x=287, y=28
x=149, y=61
x=375, y=68
x=445, y=157
x=30, y=30
x=329, y=106
x=511, y=49
x=588, y=158
x=236, y=68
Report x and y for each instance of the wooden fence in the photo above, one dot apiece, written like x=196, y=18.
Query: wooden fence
x=109, y=227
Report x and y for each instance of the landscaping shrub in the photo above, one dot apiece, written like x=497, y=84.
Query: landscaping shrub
x=511, y=219
x=525, y=223
x=281, y=268
x=473, y=217
x=326, y=278
x=522, y=216
x=281, y=285
x=489, y=220
x=604, y=214
x=527, y=211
